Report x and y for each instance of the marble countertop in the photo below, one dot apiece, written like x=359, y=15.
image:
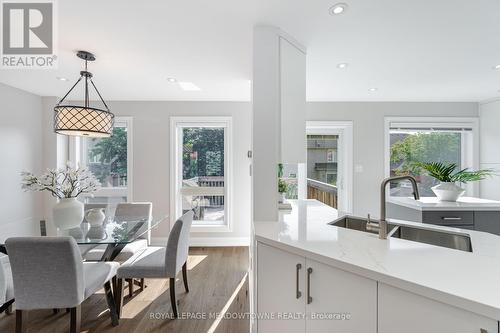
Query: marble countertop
x=466, y=280
x=431, y=203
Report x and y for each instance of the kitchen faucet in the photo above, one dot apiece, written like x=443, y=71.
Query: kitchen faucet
x=382, y=225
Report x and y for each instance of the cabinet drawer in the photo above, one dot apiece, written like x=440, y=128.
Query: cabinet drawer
x=448, y=217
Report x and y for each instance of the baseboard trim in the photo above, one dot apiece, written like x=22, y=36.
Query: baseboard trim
x=207, y=241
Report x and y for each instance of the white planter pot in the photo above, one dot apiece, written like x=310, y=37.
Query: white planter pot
x=281, y=197
x=447, y=191
x=67, y=213
x=95, y=216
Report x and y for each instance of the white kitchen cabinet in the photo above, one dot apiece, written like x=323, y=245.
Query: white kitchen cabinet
x=293, y=103
x=277, y=286
x=489, y=141
x=348, y=299
x=323, y=298
x=279, y=115
x=402, y=311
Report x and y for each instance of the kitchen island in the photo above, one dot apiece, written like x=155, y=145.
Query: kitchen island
x=466, y=213
x=304, y=265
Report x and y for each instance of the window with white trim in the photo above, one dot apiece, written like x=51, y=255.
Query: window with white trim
x=109, y=159
x=201, y=169
x=413, y=140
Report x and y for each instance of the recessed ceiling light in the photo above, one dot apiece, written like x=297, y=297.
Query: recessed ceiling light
x=338, y=8
x=342, y=65
x=372, y=89
x=61, y=78
x=189, y=86
x=496, y=67
x=171, y=79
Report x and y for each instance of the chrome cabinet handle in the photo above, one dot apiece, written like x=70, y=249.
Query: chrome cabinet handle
x=309, y=298
x=451, y=218
x=298, y=293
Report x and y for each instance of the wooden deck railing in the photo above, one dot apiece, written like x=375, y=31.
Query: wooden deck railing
x=323, y=192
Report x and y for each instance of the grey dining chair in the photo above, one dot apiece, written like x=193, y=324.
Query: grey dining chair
x=6, y=287
x=48, y=273
x=160, y=262
x=128, y=210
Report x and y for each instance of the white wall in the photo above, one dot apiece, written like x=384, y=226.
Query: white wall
x=489, y=140
x=151, y=155
x=21, y=149
x=368, y=122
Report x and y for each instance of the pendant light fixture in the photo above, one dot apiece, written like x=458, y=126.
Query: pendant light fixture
x=83, y=120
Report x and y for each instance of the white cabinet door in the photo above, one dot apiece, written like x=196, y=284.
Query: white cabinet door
x=277, y=296
x=402, y=311
x=340, y=301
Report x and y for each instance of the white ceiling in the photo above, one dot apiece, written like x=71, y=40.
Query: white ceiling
x=410, y=50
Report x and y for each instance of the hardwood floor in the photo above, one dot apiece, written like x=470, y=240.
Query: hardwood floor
x=217, y=281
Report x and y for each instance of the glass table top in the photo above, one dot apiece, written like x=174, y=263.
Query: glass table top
x=112, y=231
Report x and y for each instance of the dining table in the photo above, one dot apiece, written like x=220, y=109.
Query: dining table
x=113, y=233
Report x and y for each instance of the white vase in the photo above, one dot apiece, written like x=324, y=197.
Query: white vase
x=67, y=213
x=446, y=191
x=95, y=216
x=281, y=197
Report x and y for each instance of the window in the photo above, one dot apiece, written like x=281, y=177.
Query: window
x=109, y=159
x=201, y=169
x=416, y=140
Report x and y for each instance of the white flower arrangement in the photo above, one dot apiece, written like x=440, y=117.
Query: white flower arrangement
x=67, y=182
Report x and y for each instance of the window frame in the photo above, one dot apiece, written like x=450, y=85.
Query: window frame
x=77, y=147
x=472, y=189
x=177, y=123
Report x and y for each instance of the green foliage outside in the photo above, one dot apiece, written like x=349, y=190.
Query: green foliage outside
x=112, y=154
x=407, y=153
x=203, y=152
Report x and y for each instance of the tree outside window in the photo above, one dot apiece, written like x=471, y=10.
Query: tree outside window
x=409, y=148
x=107, y=158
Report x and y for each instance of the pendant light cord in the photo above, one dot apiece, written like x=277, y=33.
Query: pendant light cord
x=87, y=96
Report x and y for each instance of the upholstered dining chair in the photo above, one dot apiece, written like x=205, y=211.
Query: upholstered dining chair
x=6, y=287
x=160, y=262
x=48, y=273
x=127, y=211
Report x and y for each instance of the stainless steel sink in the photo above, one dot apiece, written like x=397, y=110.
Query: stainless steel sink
x=439, y=238
x=446, y=239
x=357, y=223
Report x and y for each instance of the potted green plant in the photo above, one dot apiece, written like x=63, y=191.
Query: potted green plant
x=449, y=175
x=282, y=189
x=282, y=185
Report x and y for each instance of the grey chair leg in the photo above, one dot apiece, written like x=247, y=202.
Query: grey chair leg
x=172, y=297
x=185, y=276
x=119, y=297
x=9, y=310
x=111, y=304
x=21, y=319
x=141, y=285
x=76, y=319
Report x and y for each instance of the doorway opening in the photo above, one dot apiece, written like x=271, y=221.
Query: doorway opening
x=329, y=163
